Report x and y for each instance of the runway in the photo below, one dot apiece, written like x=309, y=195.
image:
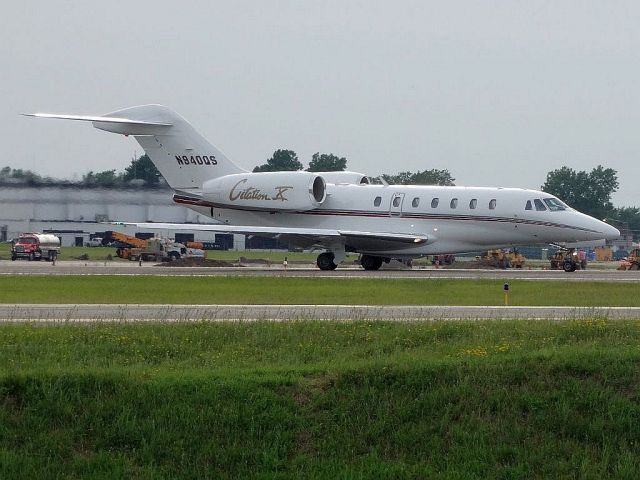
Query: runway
x=126, y=268
x=46, y=313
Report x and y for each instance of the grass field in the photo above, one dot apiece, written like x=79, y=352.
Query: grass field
x=294, y=290
x=508, y=399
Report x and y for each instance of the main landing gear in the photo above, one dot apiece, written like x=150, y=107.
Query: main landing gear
x=326, y=261
x=369, y=262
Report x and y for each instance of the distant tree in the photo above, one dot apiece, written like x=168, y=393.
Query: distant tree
x=327, y=162
x=142, y=168
x=104, y=179
x=426, y=177
x=588, y=192
x=281, y=161
x=20, y=176
x=628, y=215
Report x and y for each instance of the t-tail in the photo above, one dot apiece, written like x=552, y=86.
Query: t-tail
x=183, y=156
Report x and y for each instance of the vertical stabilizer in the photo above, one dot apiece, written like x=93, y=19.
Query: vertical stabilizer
x=183, y=156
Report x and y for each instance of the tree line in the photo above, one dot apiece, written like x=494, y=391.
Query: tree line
x=141, y=172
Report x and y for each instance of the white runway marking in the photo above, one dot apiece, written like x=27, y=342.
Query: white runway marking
x=190, y=313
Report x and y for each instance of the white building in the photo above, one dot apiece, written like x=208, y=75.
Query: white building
x=77, y=212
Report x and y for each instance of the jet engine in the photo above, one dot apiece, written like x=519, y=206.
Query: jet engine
x=267, y=190
x=354, y=178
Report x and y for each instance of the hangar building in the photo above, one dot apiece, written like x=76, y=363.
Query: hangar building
x=74, y=214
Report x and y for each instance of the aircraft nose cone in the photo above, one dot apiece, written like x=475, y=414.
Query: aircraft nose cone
x=610, y=233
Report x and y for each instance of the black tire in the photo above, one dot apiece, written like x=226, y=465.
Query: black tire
x=325, y=261
x=32, y=257
x=173, y=256
x=13, y=258
x=369, y=262
x=568, y=266
x=635, y=266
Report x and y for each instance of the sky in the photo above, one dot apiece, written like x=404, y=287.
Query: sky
x=497, y=92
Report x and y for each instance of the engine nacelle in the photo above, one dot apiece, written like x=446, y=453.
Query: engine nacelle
x=353, y=178
x=267, y=190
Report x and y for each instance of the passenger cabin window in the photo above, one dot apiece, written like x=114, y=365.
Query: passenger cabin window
x=415, y=202
x=528, y=205
x=434, y=202
x=539, y=205
x=396, y=201
x=473, y=203
x=454, y=203
x=492, y=204
x=554, y=204
x=377, y=201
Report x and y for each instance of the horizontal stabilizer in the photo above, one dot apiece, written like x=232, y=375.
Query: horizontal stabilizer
x=91, y=118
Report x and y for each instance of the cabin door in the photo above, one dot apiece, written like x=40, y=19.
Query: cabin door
x=395, y=208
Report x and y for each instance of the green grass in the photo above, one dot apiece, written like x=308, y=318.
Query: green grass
x=507, y=399
x=295, y=290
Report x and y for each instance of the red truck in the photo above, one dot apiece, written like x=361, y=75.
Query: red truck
x=35, y=246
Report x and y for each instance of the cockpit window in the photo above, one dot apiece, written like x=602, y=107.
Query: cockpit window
x=528, y=205
x=539, y=205
x=554, y=204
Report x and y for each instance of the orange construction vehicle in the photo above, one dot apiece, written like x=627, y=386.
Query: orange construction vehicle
x=154, y=249
x=632, y=261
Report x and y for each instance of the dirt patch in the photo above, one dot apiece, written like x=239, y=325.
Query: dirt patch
x=198, y=262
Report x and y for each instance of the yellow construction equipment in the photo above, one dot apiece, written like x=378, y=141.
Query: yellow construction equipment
x=568, y=259
x=502, y=259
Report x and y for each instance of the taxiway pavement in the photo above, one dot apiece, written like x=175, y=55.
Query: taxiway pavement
x=126, y=268
x=191, y=313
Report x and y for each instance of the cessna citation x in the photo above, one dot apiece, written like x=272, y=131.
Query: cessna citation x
x=340, y=212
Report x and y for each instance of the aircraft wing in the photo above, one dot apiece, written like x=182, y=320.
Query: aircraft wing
x=360, y=240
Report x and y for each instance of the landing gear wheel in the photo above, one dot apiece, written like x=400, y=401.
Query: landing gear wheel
x=569, y=266
x=369, y=262
x=325, y=261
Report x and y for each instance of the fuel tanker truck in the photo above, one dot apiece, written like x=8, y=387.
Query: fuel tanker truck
x=35, y=246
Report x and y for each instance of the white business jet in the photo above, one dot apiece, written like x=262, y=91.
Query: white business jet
x=340, y=212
